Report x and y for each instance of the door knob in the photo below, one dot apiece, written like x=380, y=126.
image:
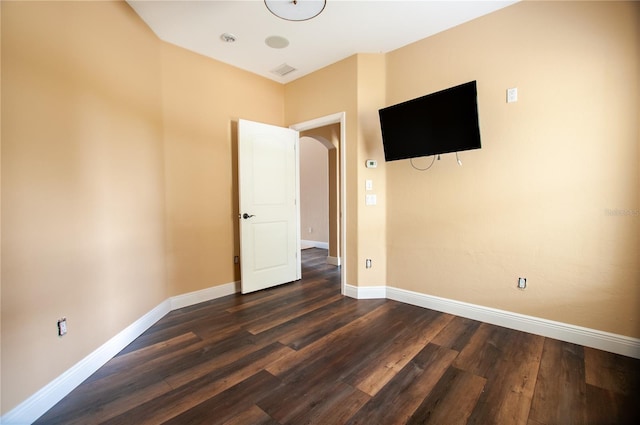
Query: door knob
x=246, y=216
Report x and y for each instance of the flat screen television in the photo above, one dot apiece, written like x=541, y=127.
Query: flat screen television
x=441, y=122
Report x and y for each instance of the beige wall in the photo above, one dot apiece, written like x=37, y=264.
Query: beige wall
x=371, y=221
x=355, y=86
x=202, y=102
x=314, y=190
x=533, y=201
x=82, y=184
x=118, y=178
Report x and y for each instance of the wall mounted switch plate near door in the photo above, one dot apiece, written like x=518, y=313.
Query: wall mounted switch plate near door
x=371, y=200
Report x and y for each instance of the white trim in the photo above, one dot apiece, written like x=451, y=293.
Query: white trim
x=192, y=298
x=337, y=118
x=342, y=248
x=39, y=403
x=47, y=397
x=366, y=292
x=351, y=291
x=334, y=261
x=298, y=212
x=315, y=244
x=600, y=340
x=319, y=122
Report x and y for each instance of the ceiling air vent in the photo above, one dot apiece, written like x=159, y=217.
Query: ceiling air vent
x=283, y=70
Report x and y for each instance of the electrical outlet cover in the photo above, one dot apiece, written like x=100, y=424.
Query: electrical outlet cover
x=62, y=327
x=522, y=282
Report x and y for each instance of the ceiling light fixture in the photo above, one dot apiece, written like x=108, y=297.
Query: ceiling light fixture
x=295, y=10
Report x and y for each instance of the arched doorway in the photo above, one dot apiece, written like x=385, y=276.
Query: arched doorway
x=320, y=190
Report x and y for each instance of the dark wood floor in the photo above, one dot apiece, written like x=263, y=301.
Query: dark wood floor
x=302, y=354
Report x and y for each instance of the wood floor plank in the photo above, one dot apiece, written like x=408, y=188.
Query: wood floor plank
x=451, y=401
x=337, y=408
x=152, y=369
x=304, y=330
x=613, y=372
x=457, y=333
x=331, y=402
x=383, y=364
x=277, y=296
x=79, y=409
x=187, y=397
x=254, y=416
x=310, y=382
x=173, y=327
x=225, y=353
x=288, y=304
x=606, y=407
x=338, y=338
x=561, y=378
x=343, y=356
x=487, y=345
x=228, y=404
x=509, y=362
x=399, y=399
x=613, y=385
x=292, y=311
x=142, y=356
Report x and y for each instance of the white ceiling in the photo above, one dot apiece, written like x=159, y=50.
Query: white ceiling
x=344, y=28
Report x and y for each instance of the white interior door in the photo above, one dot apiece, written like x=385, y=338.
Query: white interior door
x=269, y=211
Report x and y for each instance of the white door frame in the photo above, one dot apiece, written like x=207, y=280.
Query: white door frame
x=337, y=118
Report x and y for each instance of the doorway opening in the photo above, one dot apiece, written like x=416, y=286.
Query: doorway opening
x=329, y=132
x=319, y=191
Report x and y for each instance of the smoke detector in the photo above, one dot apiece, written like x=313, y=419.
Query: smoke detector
x=228, y=37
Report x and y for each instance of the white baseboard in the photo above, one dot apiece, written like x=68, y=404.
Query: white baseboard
x=191, y=298
x=365, y=292
x=600, y=340
x=39, y=403
x=315, y=244
x=334, y=261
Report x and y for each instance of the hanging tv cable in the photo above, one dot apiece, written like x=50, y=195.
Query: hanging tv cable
x=423, y=169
